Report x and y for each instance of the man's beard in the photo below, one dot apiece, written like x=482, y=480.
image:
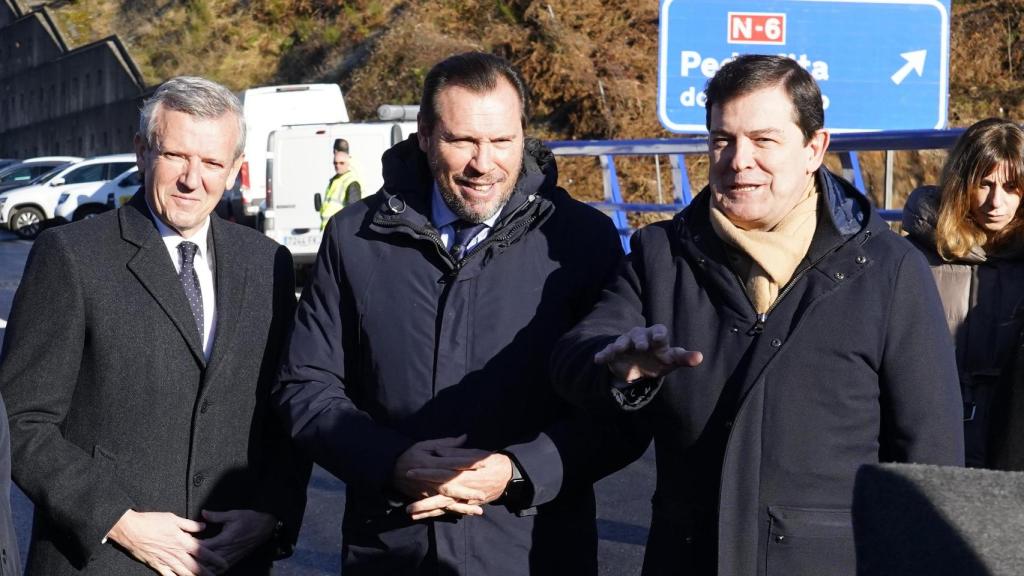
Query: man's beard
x=465, y=212
x=458, y=205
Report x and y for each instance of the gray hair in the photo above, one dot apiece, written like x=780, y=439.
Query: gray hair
x=196, y=97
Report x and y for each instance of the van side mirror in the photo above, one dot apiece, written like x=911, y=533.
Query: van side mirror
x=318, y=202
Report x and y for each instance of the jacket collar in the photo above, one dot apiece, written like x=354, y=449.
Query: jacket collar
x=843, y=212
x=404, y=202
x=152, y=266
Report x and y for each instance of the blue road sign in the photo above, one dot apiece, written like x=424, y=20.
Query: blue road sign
x=881, y=64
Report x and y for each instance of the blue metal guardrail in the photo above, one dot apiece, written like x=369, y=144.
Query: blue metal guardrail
x=845, y=145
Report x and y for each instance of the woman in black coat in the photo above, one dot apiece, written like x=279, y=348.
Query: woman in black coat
x=968, y=228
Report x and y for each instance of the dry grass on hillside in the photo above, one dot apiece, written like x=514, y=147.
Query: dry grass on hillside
x=591, y=63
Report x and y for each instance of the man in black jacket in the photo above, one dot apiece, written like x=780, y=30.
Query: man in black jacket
x=774, y=336
x=417, y=367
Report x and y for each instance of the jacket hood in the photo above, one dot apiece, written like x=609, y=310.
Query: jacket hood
x=403, y=204
x=921, y=215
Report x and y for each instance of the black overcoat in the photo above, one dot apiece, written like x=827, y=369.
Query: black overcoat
x=112, y=404
x=758, y=446
x=394, y=342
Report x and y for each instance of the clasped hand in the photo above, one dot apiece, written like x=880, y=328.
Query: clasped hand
x=442, y=477
x=167, y=543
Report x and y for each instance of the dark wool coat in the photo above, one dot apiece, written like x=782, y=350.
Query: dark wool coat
x=758, y=446
x=10, y=563
x=983, y=297
x=114, y=407
x=394, y=342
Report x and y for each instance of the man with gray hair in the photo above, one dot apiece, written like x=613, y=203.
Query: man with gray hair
x=137, y=367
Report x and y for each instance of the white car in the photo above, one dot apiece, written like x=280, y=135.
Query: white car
x=25, y=172
x=23, y=210
x=79, y=204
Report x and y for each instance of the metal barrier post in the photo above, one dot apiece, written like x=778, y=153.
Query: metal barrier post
x=851, y=169
x=681, y=180
x=613, y=194
x=888, y=180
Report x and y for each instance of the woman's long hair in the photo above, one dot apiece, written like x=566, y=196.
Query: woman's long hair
x=980, y=150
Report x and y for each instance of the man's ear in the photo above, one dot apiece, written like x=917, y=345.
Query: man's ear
x=234, y=171
x=421, y=133
x=140, y=146
x=817, y=147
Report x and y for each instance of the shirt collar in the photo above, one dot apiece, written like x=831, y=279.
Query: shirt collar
x=171, y=237
x=441, y=215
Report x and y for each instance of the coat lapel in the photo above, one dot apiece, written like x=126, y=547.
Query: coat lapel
x=232, y=278
x=153, y=267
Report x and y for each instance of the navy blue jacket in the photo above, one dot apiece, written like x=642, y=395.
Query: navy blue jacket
x=394, y=342
x=758, y=446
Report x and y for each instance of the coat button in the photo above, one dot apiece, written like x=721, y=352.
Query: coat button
x=197, y=480
x=861, y=259
x=840, y=275
x=204, y=407
x=780, y=538
x=688, y=539
x=776, y=342
x=734, y=330
x=728, y=424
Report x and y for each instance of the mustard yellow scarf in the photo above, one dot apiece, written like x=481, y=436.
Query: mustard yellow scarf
x=767, y=259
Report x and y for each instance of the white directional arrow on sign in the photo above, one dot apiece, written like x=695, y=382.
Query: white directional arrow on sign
x=915, y=62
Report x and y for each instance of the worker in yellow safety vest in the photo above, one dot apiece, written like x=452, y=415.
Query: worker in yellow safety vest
x=343, y=188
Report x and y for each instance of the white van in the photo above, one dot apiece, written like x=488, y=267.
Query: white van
x=299, y=166
x=268, y=108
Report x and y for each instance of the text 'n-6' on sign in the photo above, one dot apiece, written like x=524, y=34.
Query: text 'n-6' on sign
x=757, y=28
x=880, y=64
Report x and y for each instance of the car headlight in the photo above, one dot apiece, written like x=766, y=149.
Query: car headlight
x=63, y=198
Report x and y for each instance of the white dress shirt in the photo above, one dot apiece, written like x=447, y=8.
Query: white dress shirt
x=203, y=265
x=442, y=217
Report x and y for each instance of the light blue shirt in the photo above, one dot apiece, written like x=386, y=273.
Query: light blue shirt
x=442, y=218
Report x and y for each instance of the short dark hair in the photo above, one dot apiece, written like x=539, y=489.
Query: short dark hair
x=751, y=72
x=341, y=145
x=475, y=71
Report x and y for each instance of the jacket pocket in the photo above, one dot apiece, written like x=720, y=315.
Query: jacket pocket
x=810, y=542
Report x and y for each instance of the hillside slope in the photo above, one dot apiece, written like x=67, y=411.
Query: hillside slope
x=591, y=64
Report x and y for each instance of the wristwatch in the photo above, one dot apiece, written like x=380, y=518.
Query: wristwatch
x=519, y=491
x=280, y=545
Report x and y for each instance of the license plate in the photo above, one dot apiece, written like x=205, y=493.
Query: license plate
x=304, y=241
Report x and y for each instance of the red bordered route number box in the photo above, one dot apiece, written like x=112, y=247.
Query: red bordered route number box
x=757, y=28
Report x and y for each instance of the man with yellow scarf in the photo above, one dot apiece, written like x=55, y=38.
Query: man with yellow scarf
x=814, y=343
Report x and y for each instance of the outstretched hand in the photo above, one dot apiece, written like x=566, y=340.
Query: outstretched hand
x=645, y=353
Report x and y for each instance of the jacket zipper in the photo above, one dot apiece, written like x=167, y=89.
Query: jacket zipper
x=491, y=239
x=435, y=238
x=761, y=318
